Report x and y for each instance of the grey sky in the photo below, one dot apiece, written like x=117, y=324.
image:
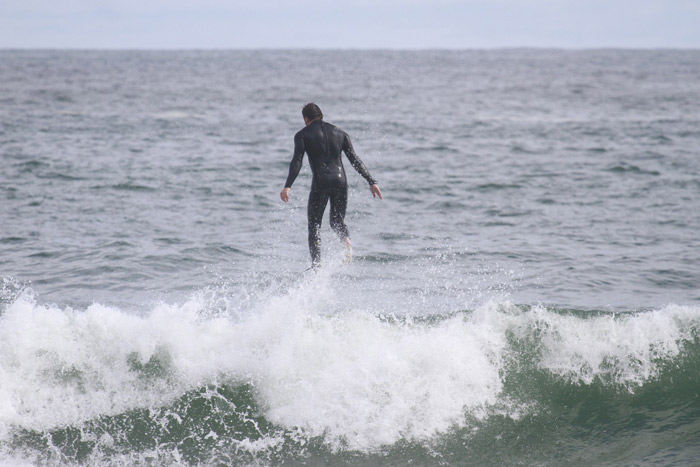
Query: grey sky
x=414, y=24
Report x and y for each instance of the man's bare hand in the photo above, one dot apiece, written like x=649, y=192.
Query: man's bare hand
x=375, y=191
x=284, y=194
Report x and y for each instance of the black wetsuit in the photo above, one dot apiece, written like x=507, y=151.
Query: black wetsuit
x=323, y=143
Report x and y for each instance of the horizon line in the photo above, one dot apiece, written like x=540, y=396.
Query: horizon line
x=346, y=49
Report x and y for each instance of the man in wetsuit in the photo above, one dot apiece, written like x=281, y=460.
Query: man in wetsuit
x=323, y=143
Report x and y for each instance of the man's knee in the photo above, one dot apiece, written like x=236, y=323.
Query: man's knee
x=314, y=229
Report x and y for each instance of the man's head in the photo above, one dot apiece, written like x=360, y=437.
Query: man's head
x=311, y=112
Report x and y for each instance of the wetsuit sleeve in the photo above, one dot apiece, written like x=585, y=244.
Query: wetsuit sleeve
x=295, y=165
x=356, y=161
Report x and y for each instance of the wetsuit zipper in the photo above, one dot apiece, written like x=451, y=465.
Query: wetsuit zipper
x=327, y=149
x=325, y=138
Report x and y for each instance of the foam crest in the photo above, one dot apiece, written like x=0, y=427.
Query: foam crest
x=62, y=366
x=363, y=382
x=360, y=380
x=627, y=349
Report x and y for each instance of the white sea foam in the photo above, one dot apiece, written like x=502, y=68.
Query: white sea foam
x=625, y=349
x=357, y=379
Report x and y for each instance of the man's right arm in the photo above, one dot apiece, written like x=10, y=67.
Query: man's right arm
x=294, y=166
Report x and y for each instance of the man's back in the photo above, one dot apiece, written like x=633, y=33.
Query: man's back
x=324, y=144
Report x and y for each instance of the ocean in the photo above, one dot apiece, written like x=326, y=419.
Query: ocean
x=526, y=293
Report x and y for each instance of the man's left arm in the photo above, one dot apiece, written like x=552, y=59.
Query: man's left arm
x=356, y=161
x=360, y=167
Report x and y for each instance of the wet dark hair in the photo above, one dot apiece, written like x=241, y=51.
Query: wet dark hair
x=312, y=112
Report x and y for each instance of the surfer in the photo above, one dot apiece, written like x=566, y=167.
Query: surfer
x=324, y=143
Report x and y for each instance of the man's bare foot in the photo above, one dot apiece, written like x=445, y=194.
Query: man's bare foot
x=347, y=257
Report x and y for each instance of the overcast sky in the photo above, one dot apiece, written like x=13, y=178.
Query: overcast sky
x=394, y=24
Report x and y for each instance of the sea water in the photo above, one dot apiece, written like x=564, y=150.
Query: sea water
x=528, y=291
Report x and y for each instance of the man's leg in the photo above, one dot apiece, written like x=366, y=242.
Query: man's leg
x=339, y=204
x=315, y=208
